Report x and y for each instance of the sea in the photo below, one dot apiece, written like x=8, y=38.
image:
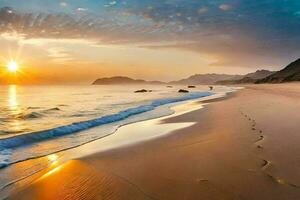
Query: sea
x=37, y=121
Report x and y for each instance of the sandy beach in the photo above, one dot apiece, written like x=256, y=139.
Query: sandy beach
x=245, y=146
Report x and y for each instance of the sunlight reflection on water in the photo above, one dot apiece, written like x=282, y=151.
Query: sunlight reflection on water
x=12, y=97
x=14, y=107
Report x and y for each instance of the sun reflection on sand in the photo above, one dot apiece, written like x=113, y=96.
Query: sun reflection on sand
x=53, y=158
x=55, y=165
x=52, y=171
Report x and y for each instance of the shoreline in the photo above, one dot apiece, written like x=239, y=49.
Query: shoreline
x=39, y=136
x=69, y=153
x=161, y=108
x=230, y=149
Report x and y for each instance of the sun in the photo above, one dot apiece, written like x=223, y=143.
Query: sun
x=12, y=66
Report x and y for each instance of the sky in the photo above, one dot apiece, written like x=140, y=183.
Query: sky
x=77, y=41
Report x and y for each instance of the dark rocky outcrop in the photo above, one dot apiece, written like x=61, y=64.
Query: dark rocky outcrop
x=183, y=91
x=191, y=86
x=142, y=91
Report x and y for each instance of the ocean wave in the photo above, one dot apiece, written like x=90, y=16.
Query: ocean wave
x=35, y=114
x=32, y=115
x=7, y=132
x=53, y=109
x=84, y=114
x=4, y=158
x=20, y=140
x=33, y=107
x=62, y=105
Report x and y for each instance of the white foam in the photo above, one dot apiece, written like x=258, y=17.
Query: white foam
x=36, y=137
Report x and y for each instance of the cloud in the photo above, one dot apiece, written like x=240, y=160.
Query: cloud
x=59, y=55
x=202, y=10
x=63, y=4
x=82, y=9
x=225, y=7
x=251, y=30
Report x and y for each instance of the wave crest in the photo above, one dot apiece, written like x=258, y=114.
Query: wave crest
x=20, y=140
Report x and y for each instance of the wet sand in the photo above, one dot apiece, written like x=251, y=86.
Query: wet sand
x=242, y=147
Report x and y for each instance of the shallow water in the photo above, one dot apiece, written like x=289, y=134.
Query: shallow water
x=31, y=115
x=25, y=109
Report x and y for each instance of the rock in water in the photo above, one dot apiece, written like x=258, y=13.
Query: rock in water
x=142, y=91
x=183, y=91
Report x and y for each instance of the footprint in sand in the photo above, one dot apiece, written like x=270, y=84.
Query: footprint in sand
x=261, y=137
x=265, y=163
x=259, y=140
x=253, y=127
x=253, y=122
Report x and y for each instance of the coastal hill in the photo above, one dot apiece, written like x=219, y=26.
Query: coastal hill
x=259, y=74
x=122, y=80
x=249, y=78
x=288, y=74
x=206, y=79
x=196, y=79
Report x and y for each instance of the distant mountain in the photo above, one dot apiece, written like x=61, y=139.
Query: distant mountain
x=288, y=74
x=206, y=79
x=249, y=78
x=197, y=79
x=259, y=74
x=116, y=80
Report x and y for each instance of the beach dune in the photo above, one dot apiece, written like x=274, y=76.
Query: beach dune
x=245, y=146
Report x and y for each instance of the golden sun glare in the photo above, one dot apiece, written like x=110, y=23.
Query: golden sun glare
x=12, y=66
